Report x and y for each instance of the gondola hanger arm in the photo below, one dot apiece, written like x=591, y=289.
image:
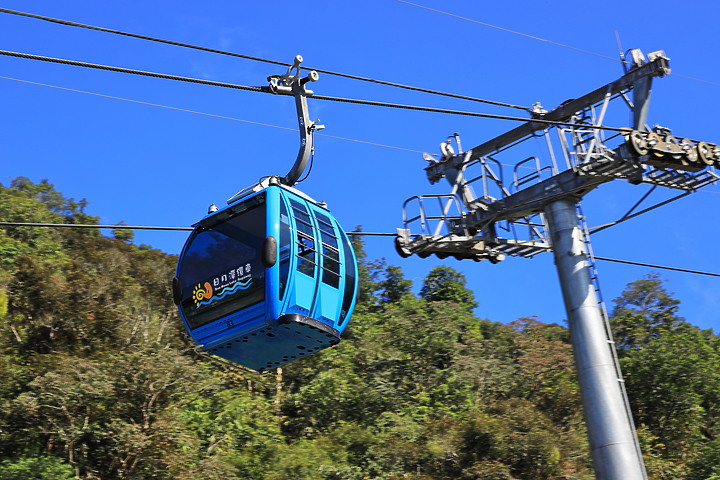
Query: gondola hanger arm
x=292, y=84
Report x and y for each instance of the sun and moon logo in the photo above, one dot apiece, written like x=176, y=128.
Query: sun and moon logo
x=202, y=292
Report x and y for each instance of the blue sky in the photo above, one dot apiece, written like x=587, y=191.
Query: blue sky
x=147, y=165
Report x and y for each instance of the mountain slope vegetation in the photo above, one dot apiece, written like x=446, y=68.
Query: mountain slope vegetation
x=102, y=383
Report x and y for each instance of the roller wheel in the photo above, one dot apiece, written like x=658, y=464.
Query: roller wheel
x=654, y=143
x=673, y=146
x=400, y=249
x=691, y=153
x=638, y=142
x=705, y=152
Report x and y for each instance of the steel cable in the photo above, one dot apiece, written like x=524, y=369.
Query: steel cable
x=369, y=234
x=257, y=59
x=266, y=89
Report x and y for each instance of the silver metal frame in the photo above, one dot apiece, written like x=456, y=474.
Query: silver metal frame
x=545, y=202
x=292, y=84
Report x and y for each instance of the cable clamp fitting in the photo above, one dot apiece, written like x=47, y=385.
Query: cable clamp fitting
x=285, y=84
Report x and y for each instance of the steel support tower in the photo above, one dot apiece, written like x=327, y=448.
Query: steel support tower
x=537, y=209
x=613, y=444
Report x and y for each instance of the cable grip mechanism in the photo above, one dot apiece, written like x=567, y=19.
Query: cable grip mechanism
x=292, y=84
x=283, y=84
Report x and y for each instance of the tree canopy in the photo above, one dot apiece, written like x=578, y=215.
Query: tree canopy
x=101, y=382
x=448, y=285
x=643, y=311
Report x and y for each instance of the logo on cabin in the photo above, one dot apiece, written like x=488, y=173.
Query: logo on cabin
x=221, y=286
x=202, y=292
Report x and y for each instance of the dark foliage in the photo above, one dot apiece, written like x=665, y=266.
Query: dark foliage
x=100, y=382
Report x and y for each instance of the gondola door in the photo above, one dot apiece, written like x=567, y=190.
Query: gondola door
x=328, y=297
x=302, y=294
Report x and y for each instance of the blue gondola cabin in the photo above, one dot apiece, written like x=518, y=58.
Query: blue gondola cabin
x=268, y=279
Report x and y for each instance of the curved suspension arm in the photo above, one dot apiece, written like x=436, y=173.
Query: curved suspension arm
x=292, y=84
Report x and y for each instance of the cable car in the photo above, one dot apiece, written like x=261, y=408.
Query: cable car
x=271, y=277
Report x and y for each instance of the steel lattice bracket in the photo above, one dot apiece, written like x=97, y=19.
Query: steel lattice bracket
x=466, y=247
x=657, y=158
x=485, y=200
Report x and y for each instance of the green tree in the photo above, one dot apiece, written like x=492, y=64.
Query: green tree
x=510, y=440
x=674, y=387
x=707, y=465
x=123, y=234
x=313, y=459
x=394, y=286
x=448, y=285
x=99, y=380
x=36, y=468
x=19, y=207
x=642, y=312
x=235, y=428
x=45, y=193
x=546, y=369
x=368, y=274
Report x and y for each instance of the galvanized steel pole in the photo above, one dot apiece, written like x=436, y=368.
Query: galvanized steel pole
x=610, y=430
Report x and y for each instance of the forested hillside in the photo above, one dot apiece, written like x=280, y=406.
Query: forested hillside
x=101, y=382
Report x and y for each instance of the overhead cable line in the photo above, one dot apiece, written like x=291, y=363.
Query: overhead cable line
x=223, y=117
x=265, y=89
x=130, y=71
x=510, y=31
x=716, y=84
x=257, y=59
x=650, y=265
x=234, y=119
x=369, y=234
x=460, y=112
x=77, y=225
x=142, y=227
